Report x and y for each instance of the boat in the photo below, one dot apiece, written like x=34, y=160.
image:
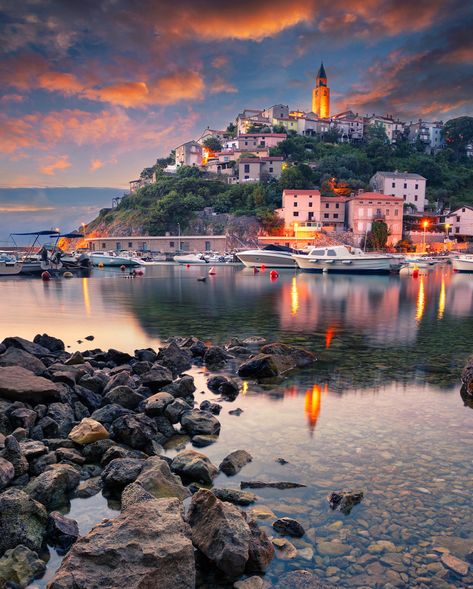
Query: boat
x=112, y=259
x=9, y=265
x=270, y=256
x=463, y=263
x=191, y=259
x=347, y=260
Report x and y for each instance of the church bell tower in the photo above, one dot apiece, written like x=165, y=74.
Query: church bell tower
x=321, y=95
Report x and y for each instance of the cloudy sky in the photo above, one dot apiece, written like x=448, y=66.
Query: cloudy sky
x=93, y=91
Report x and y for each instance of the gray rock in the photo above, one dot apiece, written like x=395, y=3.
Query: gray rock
x=224, y=386
x=252, y=583
x=19, y=566
x=14, y=454
x=301, y=579
x=220, y=532
x=157, y=377
x=75, y=359
x=120, y=379
x=109, y=413
x=198, y=422
x=234, y=462
x=213, y=408
x=95, y=383
x=344, y=501
x=148, y=545
x=88, y=398
x=39, y=465
x=70, y=455
x=53, y=487
x=18, y=357
x=281, y=485
x=7, y=473
x=286, y=526
x=175, y=358
x=146, y=355
x=183, y=387
x=96, y=450
x=215, y=356
x=174, y=411
x=88, y=488
x=157, y=479
x=275, y=360
x=192, y=466
x=121, y=472
x=124, y=396
x=117, y=451
x=24, y=344
x=53, y=344
x=22, y=520
x=137, y=431
x=156, y=404
x=19, y=384
x=63, y=415
x=61, y=531
x=203, y=441
x=118, y=357
x=134, y=493
x=235, y=496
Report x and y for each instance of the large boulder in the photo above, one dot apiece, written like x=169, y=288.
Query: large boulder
x=183, y=387
x=175, y=358
x=53, y=486
x=24, y=344
x=220, y=532
x=157, y=377
x=276, y=360
x=18, y=357
x=137, y=431
x=19, y=384
x=235, y=461
x=62, y=531
x=87, y=432
x=7, y=473
x=147, y=546
x=19, y=566
x=120, y=472
x=198, y=422
x=157, y=479
x=156, y=404
x=174, y=410
x=22, y=520
x=53, y=344
x=193, y=466
x=124, y=396
x=109, y=413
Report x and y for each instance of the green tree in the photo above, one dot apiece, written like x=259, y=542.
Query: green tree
x=378, y=236
x=299, y=176
x=231, y=128
x=213, y=144
x=458, y=133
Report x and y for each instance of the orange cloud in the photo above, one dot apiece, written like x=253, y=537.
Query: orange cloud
x=219, y=61
x=219, y=85
x=12, y=98
x=15, y=134
x=60, y=82
x=14, y=208
x=96, y=165
x=53, y=165
x=127, y=94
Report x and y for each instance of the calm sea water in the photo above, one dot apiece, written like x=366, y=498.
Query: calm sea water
x=381, y=411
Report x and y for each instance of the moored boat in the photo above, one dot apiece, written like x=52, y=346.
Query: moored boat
x=271, y=256
x=191, y=259
x=112, y=259
x=9, y=265
x=346, y=259
x=463, y=263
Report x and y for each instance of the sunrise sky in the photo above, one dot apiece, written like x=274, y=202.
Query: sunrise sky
x=93, y=91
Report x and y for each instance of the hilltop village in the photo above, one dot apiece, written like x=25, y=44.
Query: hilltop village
x=310, y=175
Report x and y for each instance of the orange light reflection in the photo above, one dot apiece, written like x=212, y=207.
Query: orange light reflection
x=294, y=297
x=329, y=336
x=86, y=296
x=312, y=406
x=441, y=309
x=420, y=306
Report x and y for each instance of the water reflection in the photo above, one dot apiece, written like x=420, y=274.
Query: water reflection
x=312, y=406
x=420, y=306
x=441, y=309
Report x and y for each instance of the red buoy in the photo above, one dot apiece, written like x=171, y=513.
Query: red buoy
x=415, y=273
x=188, y=266
x=273, y=274
x=212, y=271
x=46, y=276
x=263, y=267
x=122, y=268
x=139, y=272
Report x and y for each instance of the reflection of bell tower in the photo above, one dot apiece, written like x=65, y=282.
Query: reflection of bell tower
x=321, y=95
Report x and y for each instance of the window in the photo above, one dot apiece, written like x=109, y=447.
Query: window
x=458, y=219
x=326, y=215
x=335, y=215
x=318, y=253
x=311, y=215
x=119, y=245
x=104, y=245
x=246, y=142
x=130, y=244
x=171, y=244
x=327, y=205
x=404, y=197
x=416, y=198
x=457, y=229
x=295, y=204
x=247, y=168
x=396, y=212
x=271, y=170
x=331, y=253
x=393, y=185
x=405, y=184
x=296, y=214
x=337, y=206
x=247, y=177
x=207, y=246
x=463, y=210
x=310, y=204
x=417, y=186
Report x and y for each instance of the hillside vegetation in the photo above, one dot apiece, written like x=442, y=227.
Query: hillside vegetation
x=335, y=168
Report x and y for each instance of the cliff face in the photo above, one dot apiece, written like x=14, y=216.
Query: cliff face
x=112, y=222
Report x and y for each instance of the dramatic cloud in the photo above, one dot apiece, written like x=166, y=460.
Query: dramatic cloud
x=52, y=165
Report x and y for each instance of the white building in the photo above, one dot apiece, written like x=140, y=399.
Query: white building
x=410, y=187
x=430, y=134
x=460, y=222
x=189, y=154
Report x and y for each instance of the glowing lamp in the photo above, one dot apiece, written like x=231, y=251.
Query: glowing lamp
x=425, y=224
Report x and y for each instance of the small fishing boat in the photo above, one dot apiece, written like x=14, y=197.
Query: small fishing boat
x=463, y=263
x=347, y=260
x=9, y=265
x=191, y=259
x=270, y=256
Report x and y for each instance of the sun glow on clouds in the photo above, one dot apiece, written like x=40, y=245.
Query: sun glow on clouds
x=53, y=165
x=14, y=208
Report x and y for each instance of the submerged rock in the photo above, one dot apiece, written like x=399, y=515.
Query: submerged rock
x=148, y=545
x=456, y=565
x=19, y=566
x=22, y=520
x=193, y=466
x=235, y=496
x=287, y=526
x=275, y=360
x=344, y=501
x=277, y=485
x=301, y=579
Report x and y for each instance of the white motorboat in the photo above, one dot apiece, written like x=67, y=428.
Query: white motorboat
x=271, y=256
x=463, y=263
x=347, y=259
x=111, y=259
x=191, y=259
x=9, y=265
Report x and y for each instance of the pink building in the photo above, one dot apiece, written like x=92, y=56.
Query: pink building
x=300, y=206
x=253, y=169
x=366, y=207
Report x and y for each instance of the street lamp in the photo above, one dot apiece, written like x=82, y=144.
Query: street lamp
x=425, y=224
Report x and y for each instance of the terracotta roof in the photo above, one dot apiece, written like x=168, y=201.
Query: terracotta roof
x=301, y=192
x=376, y=196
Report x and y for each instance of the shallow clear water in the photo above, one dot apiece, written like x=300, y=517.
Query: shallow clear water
x=381, y=411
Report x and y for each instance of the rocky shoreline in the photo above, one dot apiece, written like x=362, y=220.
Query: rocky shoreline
x=75, y=425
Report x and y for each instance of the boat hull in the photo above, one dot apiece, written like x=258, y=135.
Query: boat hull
x=9, y=268
x=114, y=261
x=356, y=266
x=462, y=265
x=270, y=260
